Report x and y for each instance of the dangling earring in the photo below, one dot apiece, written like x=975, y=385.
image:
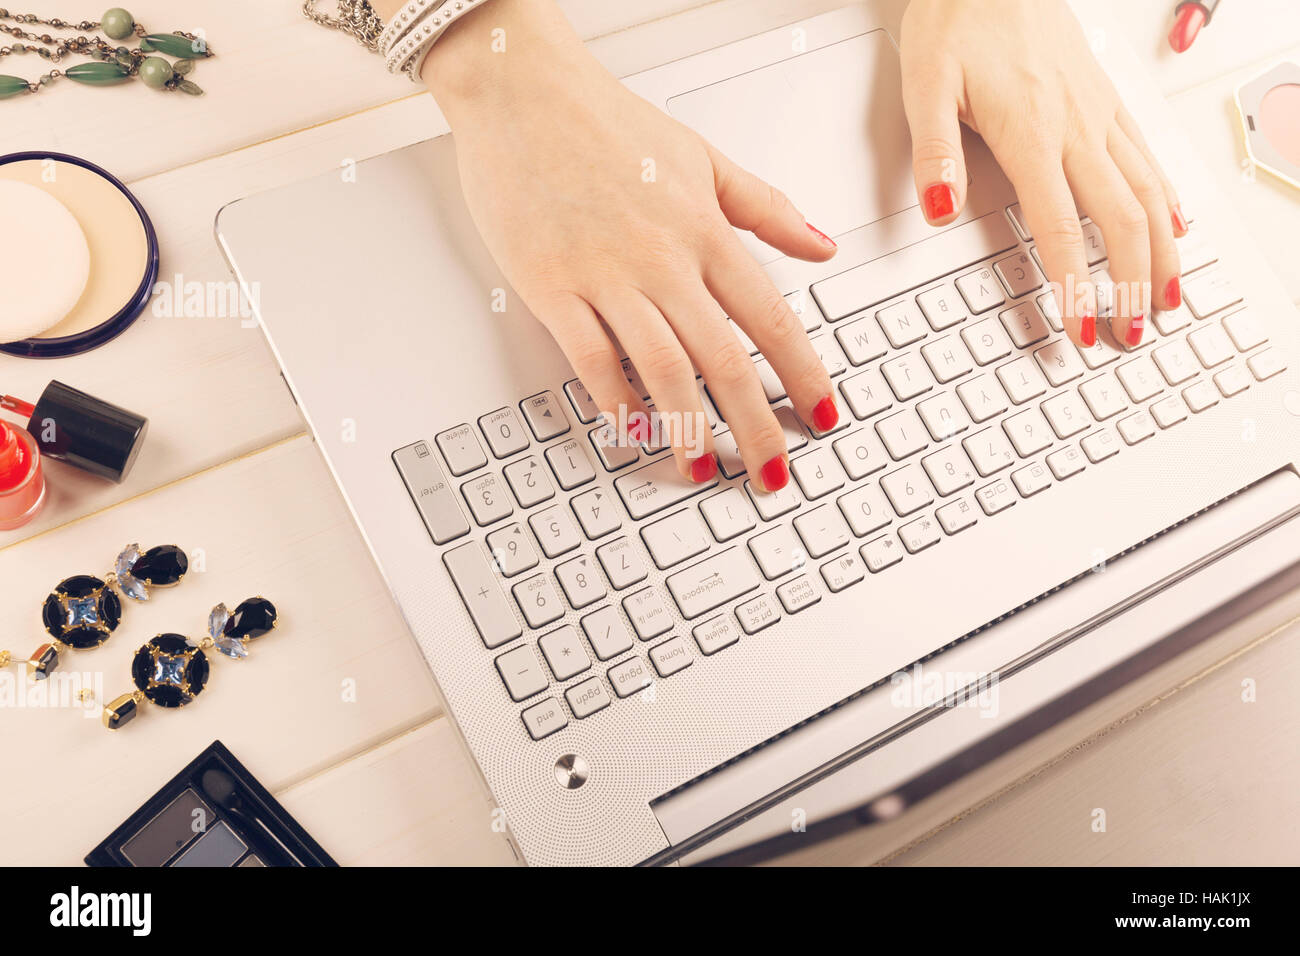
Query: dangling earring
x=171, y=670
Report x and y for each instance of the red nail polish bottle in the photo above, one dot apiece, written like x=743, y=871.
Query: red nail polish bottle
x=22, y=484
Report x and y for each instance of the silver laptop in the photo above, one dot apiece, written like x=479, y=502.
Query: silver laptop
x=651, y=671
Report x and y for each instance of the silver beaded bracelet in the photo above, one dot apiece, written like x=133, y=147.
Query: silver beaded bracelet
x=429, y=19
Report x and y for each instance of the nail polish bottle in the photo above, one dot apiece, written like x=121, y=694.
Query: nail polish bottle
x=22, y=483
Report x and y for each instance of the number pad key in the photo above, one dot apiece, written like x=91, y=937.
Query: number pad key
x=597, y=513
x=538, y=600
x=529, y=481
x=582, y=401
x=487, y=499
x=648, y=613
x=587, y=697
x=522, y=674
x=461, y=449
x=545, y=417
x=606, y=633
x=570, y=464
x=512, y=550
x=613, y=454
x=544, y=719
x=581, y=581
x=555, y=531
x=563, y=652
x=622, y=563
x=504, y=434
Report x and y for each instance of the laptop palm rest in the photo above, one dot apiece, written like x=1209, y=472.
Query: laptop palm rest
x=918, y=725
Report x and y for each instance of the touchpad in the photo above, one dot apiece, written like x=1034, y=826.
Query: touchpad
x=826, y=127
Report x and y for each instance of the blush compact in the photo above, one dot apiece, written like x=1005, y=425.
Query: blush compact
x=78, y=256
x=1270, y=117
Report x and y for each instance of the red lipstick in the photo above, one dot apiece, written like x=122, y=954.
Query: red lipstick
x=22, y=484
x=1189, y=17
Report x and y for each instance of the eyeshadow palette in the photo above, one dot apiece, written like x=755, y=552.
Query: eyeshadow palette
x=211, y=814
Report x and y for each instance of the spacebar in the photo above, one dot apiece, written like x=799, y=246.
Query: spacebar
x=712, y=583
x=914, y=265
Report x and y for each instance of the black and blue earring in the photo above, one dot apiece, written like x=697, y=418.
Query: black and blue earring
x=83, y=611
x=171, y=670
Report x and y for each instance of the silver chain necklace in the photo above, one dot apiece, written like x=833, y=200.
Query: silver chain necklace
x=356, y=18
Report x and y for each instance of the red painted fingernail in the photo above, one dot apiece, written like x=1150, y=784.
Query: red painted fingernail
x=775, y=474
x=940, y=201
x=1088, y=331
x=704, y=468
x=1179, y=220
x=826, y=416
x=1173, y=294
x=825, y=239
x=1135, y=330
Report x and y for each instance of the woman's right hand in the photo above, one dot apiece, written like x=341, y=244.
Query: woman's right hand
x=609, y=218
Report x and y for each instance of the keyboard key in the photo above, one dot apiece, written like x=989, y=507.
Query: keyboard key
x=822, y=530
x=545, y=718
x=842, y=421
x=774, y=504
x=487, y=499
x=1201, y=395
x=1031, y=479
x=555, y=531
x=948, y=358
x=1104, y=351
x=866, y=509
x=832, y=358
x=629, y=677
x=581, y=581
x=1104, y=396
x=587, y=698
x=791, y=427
x=1195, y=251
x=622, y=563
x=713, y=582
x=1025, y=324
x=1018, y=218
x=907, y=376
x=434, y=499
x=956, y=516
x=657, y=486
x=538, y=600
x=1246, y=333
x=1232, y=380
x=777, y=552
x=1100, y=445
x=481, y=591
x=1066, y=462
x=545, y=417
x=983, y=397
x=512, y=550
x=674, y=539
x=942, y=308
x=522, y=675
x=919, y=534
x=903, y=323
x=716, y=633
x=773, y=387
x=563, y=652
x=648, y=612
x=861, y=453
x=1140, y=379
x=1019, y=274
x=949, y=470
x=907, y=489
x=944, y=416
x=1094, y=244
x=1176, y=362
x=818, y=473
x=1029, y=432
x=1167, y=323
x=1136, y=427
x=597, y=512
x=634, y=379
x=606, y=633
x=729, y=461
x=757, y=614
x=867, y=393
x=529, y=481
x=1209, y=292
x=843, y=572
x=1060, y=362
x=996, y=497
x=1211, y=345
x=583, y=404
x=880, y=553
x=1022, y=380
x=903, y=434
x=1051, y=310
x=798, y=594
x=801, y=305
x=862, y=340
x=613, y=454
x=671, y=656
x=570, y=463
x=1169, y=411
x=981, y=291
x=1067, y=414
x=504, y=434
x=728, y=514
x=461, y=449
x=987, y=341
x=1266, y=364
x=989, y=450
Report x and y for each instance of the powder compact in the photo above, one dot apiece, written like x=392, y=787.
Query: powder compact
x=1270, y=116
x=78, y=256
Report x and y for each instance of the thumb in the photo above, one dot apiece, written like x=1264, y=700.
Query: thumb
x=750, y=203
x=937, y=161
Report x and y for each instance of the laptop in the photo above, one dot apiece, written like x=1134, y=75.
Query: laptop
x=648, y=671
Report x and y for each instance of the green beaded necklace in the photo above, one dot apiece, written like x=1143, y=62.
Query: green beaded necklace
x=116, y=64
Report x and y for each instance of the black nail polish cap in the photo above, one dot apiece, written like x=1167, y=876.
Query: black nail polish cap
x=87, y=432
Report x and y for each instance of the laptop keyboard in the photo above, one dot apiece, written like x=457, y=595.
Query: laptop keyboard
x=958, y=399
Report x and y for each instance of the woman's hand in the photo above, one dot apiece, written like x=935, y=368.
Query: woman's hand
x=1021, y=74
x=610, y=219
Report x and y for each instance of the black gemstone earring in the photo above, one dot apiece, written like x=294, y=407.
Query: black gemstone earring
x=83, y=611
x=171, y=670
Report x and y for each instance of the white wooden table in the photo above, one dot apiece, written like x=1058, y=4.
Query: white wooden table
x=336, y=712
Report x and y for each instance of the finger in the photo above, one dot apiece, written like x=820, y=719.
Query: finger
x=1104, y=192
x=1053, y=220
x=1177, y=220
x=586, y=344
x=1146, y=186
x=731, y=376
x=931, y=101
x=751, y=204
x=667, y=372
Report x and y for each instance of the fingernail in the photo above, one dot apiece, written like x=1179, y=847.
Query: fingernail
x=1173, y=294
x=826, y=416
x=704, y=468
x=1088, y=331
x=775, y=474
x=1178, y=219
x=1134, y=336
x=825, y=239
x=940, y=201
